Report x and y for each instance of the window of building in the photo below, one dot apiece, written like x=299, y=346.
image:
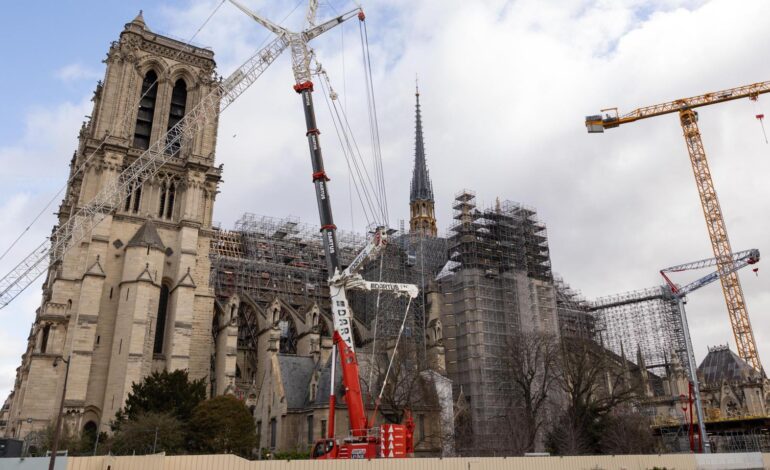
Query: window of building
x=133, y=197
x=46, y=334
x=167, y=197
x=273, y=433
x=259, y=434
x=146, y=113
x=310, y=429
x=323, y=428
x=176, y=113
x=160, y=322
x=420, y=427
x=288, y=342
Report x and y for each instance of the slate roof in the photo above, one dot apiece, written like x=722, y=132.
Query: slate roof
x=296, y=373
x=147, y=235
x=322, y=393
x=722, y=364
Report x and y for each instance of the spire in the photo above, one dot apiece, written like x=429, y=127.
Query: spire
x=421, y=187
x=139, y=20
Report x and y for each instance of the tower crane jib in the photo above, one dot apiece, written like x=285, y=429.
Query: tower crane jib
x=712, y=211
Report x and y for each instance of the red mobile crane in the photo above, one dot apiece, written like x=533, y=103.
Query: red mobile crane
x=365, y=441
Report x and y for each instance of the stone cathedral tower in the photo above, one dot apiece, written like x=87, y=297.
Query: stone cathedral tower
x=422, y=220
x=134, y=296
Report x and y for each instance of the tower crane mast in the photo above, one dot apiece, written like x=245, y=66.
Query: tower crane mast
x=712, y=211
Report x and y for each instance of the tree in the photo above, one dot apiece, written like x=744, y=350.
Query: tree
x=163, y=392
x=627, y=433
x=596, y=383
x=222, y=424
x=149, y=433
x=530, y=376
x=405, y=387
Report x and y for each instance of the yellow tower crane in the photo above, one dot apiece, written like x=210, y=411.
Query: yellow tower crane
x=720, y=243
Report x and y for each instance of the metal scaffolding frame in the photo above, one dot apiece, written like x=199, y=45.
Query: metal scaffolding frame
x=497, y=276
x=647, y=320
x=269, y=257
x=573, y=311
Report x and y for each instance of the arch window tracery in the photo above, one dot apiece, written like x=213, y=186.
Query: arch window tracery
x=146, y=112
x=176, y=113
x=133, y=197
x=168, y=188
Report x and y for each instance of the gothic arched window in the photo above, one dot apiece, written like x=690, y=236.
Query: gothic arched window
x=167, y=196
x=323, y=329
x=146, y=113
x=176, y=113
x=133, y=197
x=288, y=344
x=44, y=340
x=160, y=322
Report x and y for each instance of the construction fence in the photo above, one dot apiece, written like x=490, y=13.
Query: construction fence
x=230, y=462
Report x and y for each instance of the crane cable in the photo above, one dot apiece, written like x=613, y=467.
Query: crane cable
x=759, y=115
x=123, y=123
x=374, y=129
x=392, y=358
x=347, y=143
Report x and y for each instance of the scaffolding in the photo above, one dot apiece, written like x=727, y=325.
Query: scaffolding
x=573, y=312
x=496, y=283
x=647, y=320
x=408, y=258
x=268, y=257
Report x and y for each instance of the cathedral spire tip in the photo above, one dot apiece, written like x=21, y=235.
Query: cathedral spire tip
x=139, y=20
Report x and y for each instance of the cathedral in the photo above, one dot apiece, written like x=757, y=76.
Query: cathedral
x=134, y=296
x=156, y=287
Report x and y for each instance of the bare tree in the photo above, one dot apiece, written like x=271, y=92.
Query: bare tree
x=596, y=383
x=530, y=376
x=393, y=379
x=628, y=433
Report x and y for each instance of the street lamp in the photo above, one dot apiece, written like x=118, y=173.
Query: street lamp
x=57, y=429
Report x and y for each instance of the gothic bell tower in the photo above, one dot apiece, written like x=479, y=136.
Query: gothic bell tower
x=132, y=297
x=422, y=219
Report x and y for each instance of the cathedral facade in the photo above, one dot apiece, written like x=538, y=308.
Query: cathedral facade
x=132, y=297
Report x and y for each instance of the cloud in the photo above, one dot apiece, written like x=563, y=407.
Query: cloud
x=35, y=167
x=77, y=72
x=504, y=90
x=505, y=87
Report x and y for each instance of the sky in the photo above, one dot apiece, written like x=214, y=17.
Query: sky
x=505, y=87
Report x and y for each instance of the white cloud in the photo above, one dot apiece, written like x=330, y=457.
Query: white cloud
x=77, y=72
x=34, y=168
x=505, y=87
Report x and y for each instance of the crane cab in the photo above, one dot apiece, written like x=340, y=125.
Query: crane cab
x=330, y=449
